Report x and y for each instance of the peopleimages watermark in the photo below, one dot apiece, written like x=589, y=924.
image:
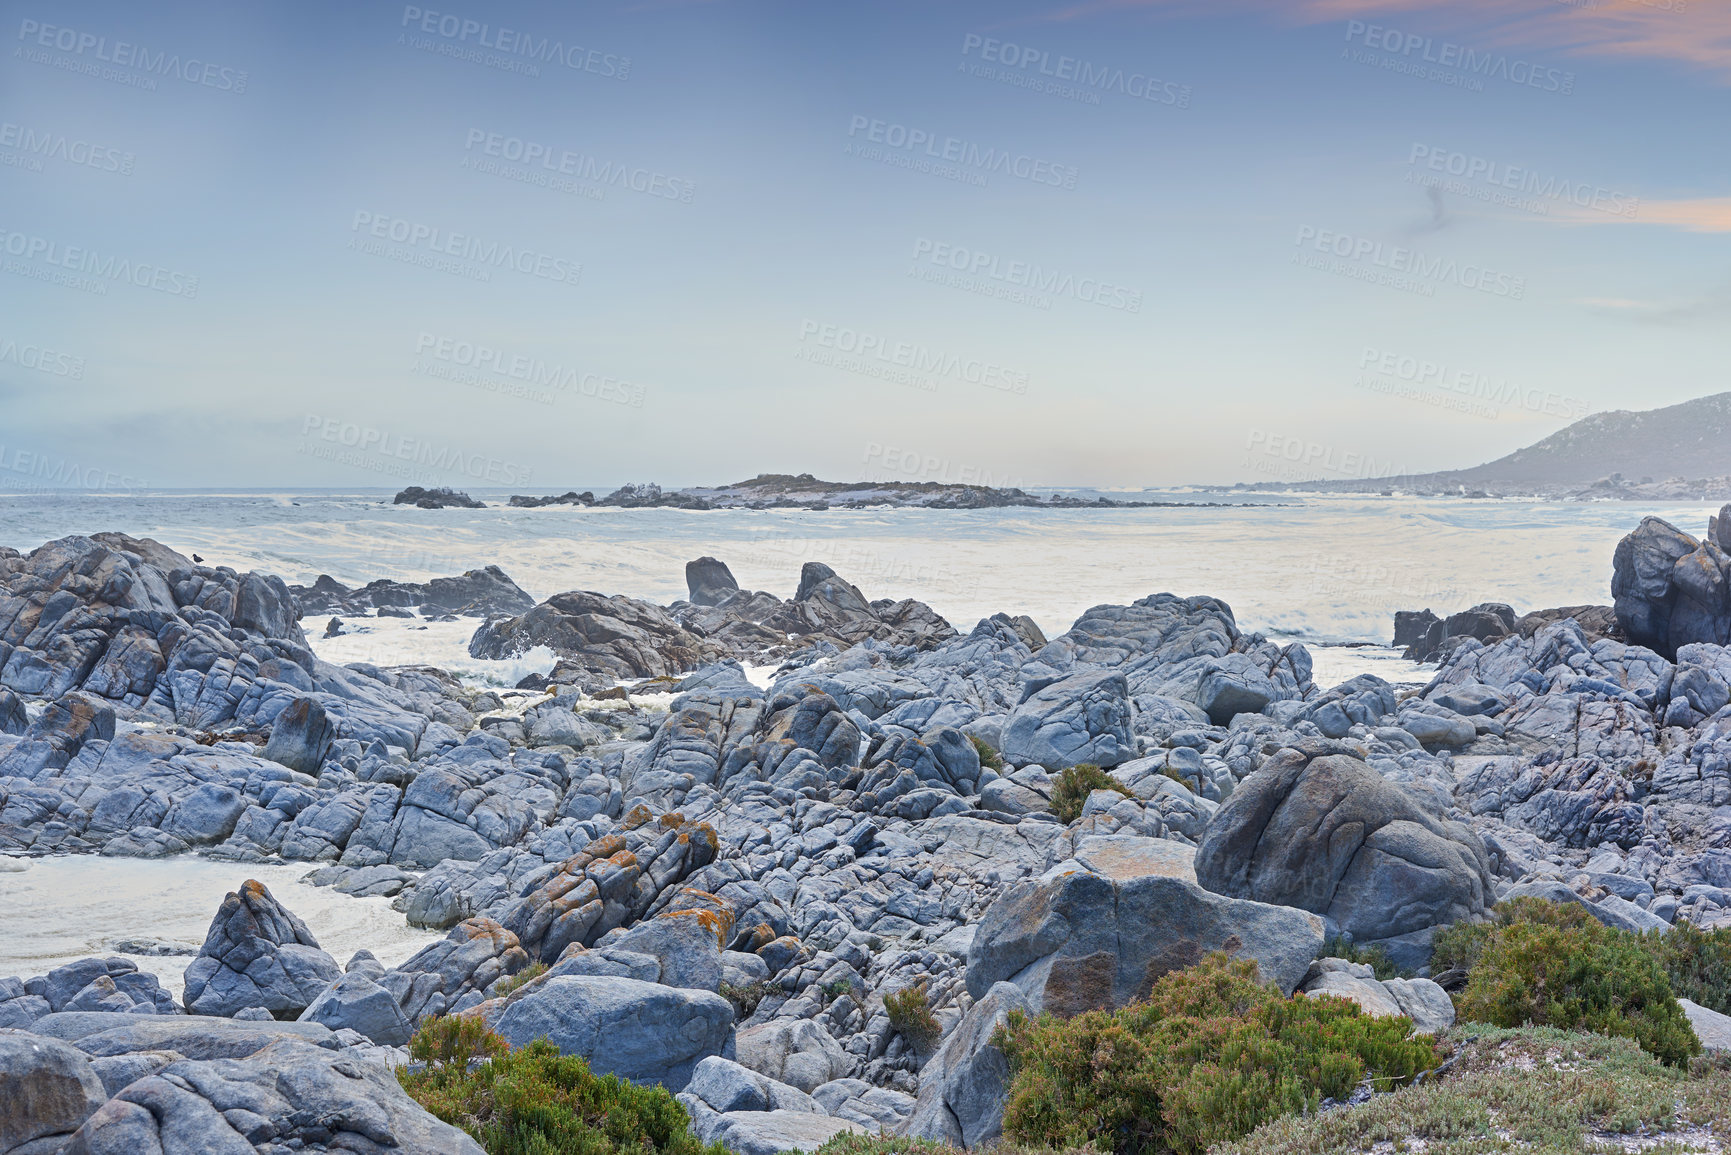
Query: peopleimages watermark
x=32, y=469
x=120, y=61
x=1035, y=69
x=511, y=374
x=950, y=157
x=892, y=463
x=460, y=254
x=30, y=146
x=1446, y=62
x=903, y=362
x=508, y=49
x=1398, y=267
x=546, y=166
x=1396, y=582
x=976, y=270
x=86, y=269
x=395, y=455
x=1295, y=458
x=1464, y=390
x=42, y=359
x=1479, y=178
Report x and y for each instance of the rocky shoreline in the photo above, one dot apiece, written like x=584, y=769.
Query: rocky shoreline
x=718, y=892
x=801, y=491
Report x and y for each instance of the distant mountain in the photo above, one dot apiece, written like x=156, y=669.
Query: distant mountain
x=1691, y=440
x=1680, y=452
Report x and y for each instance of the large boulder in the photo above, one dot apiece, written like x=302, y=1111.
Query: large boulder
x=709, y=581
x=618, y=636
x=964, y=1086
x=289, y=1096
x=798, y=1052
x=1085, y=717
x=47, y=1088
x=257, y=954
x=1670, y=589
x=642, y=1031
x=1317, y=828
x=1098, y=930
x=357, y=1002
x=300, y=736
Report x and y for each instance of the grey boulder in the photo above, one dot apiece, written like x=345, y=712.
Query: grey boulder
x=798, y=1052
x=357, y=1002
x=257, y=954
x=1096, y=931
x=1317, y=828
x=47, y=1087
x=645, y=1032
x=1085, y=717
x=964, y=1086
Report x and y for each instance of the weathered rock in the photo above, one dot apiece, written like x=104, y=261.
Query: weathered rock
x=1670, y=589
x=287, y=1096
x=47, y=1088
x=301, y=736
x=1711, y=1027
x=723, y=1086
x=963, y=1088
x=1082, y=718
x=709, y=581
x=358, y=1003
x=1421, y=1000
x=797, y=1052
x=772, y=1132
x=1317, y=829
x=257, y=954
x=1099, y=930
x=644, y=1032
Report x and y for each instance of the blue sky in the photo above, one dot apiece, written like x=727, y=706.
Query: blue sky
x=1112, y=243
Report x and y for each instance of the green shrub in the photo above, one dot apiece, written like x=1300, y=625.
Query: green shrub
x=451, y=1042
x=1207, y=1057
x=1554, y=965
x=910, y=1014
x=989, y=758
x=1075, y=784
x=856, y=1143
x=1698, y=963
x=536, y=1101
x=504, y=988
x=1374, y=956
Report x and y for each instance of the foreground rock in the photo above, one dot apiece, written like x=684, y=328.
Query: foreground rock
x=47, y=1089
x=1097, y=931
x=641, y=1031
x=1317, y=828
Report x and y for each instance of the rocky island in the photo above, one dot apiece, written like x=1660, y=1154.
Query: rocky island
x=845, y=894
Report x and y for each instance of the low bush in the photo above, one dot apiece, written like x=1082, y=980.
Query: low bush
x=1075, y=784
x=910, y=1014
x=535, y=1101
x=506, y=987
x=989, y=758
x=1698, y=963
x=452, y=1042
x=1553, y=965
x=1529, y=1089
x=1207, y=1057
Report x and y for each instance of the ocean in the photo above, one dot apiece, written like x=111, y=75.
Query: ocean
x=1326, y=570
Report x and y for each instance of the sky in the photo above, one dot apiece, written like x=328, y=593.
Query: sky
x=1028, y=242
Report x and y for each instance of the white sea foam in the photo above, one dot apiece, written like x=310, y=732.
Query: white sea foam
x=413, y=642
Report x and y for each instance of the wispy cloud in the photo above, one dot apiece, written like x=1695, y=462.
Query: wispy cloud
x=1690, y=31
x=1696, y=215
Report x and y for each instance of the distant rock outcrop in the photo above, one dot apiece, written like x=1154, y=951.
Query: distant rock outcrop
x=442, y=498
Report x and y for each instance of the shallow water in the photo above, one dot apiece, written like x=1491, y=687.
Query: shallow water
x=57, y=910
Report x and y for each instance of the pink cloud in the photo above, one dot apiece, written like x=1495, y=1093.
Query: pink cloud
x=1696, y=32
